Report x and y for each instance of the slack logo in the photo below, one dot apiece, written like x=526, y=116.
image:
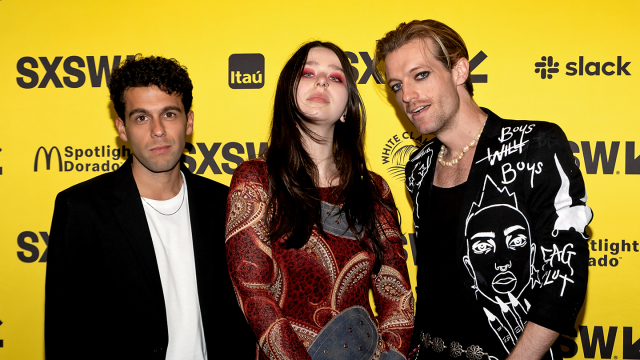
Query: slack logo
x=582, y=67
x=246, y=71
x=544, y=72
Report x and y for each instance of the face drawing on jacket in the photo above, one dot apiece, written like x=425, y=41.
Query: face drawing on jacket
x=500, y=253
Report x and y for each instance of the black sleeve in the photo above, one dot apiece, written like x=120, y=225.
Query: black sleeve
x=67, y=315
x=556, y=200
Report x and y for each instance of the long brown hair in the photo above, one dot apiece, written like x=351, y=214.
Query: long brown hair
x=294, y=202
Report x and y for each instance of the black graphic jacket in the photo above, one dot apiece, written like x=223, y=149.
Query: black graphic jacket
x=521, y=246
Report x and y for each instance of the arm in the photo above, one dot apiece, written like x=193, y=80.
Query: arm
x=556, y=198
x=254, y=274
x=391, y=288
x=534, y=342
x=67, y=314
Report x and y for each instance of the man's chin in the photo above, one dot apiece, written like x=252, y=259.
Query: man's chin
x=160, y=167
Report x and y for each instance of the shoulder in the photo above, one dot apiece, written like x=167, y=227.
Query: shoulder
x=380, y=183
x=90, y=189
x=506, y=128
x=538, y=135
x=541, y=135
x=197, y=182
x=254, y=171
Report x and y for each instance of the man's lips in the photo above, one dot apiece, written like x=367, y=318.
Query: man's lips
x=416, y=111
x=319, y=98
x=160, y=149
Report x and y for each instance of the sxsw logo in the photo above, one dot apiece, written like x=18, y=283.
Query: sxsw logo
x=72, y=65
x=548, y=66
x=30, y=252
x=246, y=71
x=596, y=344
x=593, y=156
x=211, y=156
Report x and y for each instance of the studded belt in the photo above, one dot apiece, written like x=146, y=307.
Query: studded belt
x=472, y=352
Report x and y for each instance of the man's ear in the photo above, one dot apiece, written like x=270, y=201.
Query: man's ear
x=461, y=71
x=189, y=122
x=121, y=129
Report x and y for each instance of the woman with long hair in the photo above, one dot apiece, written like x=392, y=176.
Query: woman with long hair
x=310, y=230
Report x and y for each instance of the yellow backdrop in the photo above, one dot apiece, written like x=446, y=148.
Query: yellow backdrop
x=573, y=62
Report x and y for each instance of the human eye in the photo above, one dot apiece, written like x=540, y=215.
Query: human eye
x=140, y=118
x=422, y=75
x=516, y=242
x=336, y=77
x=307, y=73
x=481, y=247
x=396, y=87
x=170, y=115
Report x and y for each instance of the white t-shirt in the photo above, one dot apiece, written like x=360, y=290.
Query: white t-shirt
x=173, y=245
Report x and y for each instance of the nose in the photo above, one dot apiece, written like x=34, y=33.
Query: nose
x=503, y=268
x=157, y=128
x=408, y=92
x=321, y=80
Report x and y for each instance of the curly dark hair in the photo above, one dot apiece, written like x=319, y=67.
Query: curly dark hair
x=167, y=74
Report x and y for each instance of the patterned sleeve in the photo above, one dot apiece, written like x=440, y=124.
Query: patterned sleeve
x=253, y=271
x=391, y=288
x=556, y=199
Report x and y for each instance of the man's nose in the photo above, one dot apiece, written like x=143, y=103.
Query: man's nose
x=408, y=93
x=157, y=128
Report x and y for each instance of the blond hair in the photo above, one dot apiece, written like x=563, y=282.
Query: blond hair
x=450, y=46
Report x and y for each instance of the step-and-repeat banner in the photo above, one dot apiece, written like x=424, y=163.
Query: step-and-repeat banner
x=575, y=63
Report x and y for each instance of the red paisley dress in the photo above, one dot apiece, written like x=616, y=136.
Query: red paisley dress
x=288, y=295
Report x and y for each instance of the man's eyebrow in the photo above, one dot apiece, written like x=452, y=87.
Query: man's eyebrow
x=415, y=68
x=489, y=234
x=138, y=111
x=171, y=107
x=145, y=111
x=511, y=229
x=315, y=63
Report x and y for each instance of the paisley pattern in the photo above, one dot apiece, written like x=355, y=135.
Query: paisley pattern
x=288, y=295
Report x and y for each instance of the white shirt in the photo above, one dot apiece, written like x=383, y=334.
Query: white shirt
x=170, y=227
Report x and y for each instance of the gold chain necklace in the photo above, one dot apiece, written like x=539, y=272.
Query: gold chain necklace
x=455, y=160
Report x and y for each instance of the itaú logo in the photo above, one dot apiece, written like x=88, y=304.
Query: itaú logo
x=96, y=159
x=246, y=71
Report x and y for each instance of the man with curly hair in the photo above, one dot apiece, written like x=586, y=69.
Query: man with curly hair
x=136, y=266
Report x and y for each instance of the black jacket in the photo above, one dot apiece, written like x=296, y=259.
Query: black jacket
x=520, y=234
x=104, y=298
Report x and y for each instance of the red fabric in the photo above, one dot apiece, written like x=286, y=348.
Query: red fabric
x=288, y=295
